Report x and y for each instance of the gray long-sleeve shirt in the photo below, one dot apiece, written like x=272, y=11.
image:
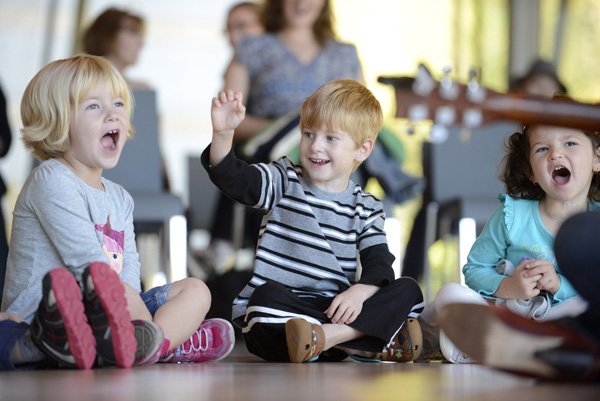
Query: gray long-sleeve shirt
x=59, y=220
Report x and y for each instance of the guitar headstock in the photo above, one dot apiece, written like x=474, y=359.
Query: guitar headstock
x=449, y=103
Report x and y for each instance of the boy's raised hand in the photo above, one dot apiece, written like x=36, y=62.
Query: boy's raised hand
x=227, y=111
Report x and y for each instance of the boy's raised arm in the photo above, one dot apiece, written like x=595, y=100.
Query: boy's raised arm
x=227, y=112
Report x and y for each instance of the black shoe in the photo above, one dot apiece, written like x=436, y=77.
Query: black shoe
x=60, y=327
x=106, y=309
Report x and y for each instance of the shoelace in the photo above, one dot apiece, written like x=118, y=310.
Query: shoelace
x=199, y=334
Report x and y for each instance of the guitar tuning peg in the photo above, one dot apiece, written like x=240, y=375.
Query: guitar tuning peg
x=474, y=75
x=448, y=88
x=418, y=112
x=475, y=92
x=438, y=134
x=445, y=115
x=424, y=82
x=472, y=117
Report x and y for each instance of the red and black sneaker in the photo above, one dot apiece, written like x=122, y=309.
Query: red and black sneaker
x=106, y=310
x=60, y=327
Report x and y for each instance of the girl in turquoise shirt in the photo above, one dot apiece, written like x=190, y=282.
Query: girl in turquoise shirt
x=550, y=173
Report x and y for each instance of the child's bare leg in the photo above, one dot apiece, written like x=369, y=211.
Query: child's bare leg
x=135, y=304
x=10, y=316
x=339, y=333
x=187, y=305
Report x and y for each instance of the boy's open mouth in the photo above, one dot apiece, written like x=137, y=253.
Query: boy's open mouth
x=110, y=139
x=319, y=161
x=561, y=175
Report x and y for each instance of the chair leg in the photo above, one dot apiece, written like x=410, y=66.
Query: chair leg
x=177, y=247
x=431, y=219
x=467, y=233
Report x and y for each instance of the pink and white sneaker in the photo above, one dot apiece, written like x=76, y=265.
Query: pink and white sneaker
x=212, y=341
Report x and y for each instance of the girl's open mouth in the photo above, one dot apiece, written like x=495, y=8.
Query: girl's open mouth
x=110, y=140
x=561, y=175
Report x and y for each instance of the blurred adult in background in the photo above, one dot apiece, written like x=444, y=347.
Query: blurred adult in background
x=243, y=19
x=5, y=142
x=541, y=79
x=278, y=70
x=117, y=35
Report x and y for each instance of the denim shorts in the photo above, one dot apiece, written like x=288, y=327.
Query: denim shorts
x=156, y=297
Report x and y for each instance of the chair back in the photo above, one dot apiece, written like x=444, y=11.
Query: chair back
x=140, y=167
x=203, y=195
x=466, y=168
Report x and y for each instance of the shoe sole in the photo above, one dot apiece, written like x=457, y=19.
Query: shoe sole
x=69, y=301
x=111, y=294
x=413, y=343
x=298, y=336
x=413, y=327
x=487, y=335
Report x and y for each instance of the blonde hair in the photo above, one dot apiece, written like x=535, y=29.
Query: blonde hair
x=346, y=105
x=53, y=95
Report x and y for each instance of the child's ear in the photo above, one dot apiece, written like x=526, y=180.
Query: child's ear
x=364, y=150
x=529, y=173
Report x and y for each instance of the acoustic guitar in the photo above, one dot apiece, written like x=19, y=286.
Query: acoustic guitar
x=449, y=103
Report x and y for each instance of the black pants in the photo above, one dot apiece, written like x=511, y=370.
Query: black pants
x=272, y=304
x=577, y=249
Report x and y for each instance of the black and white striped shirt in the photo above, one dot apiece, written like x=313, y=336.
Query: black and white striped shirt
x=309, y=239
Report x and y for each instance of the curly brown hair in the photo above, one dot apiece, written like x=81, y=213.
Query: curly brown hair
x=273, y=20
x=100, y=36
x=516, y=172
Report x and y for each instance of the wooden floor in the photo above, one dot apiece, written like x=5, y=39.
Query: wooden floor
x=243, y=377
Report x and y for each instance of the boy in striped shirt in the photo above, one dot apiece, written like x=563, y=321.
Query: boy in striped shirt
x=306, y=299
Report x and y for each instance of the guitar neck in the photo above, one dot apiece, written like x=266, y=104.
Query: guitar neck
x=558, y=111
